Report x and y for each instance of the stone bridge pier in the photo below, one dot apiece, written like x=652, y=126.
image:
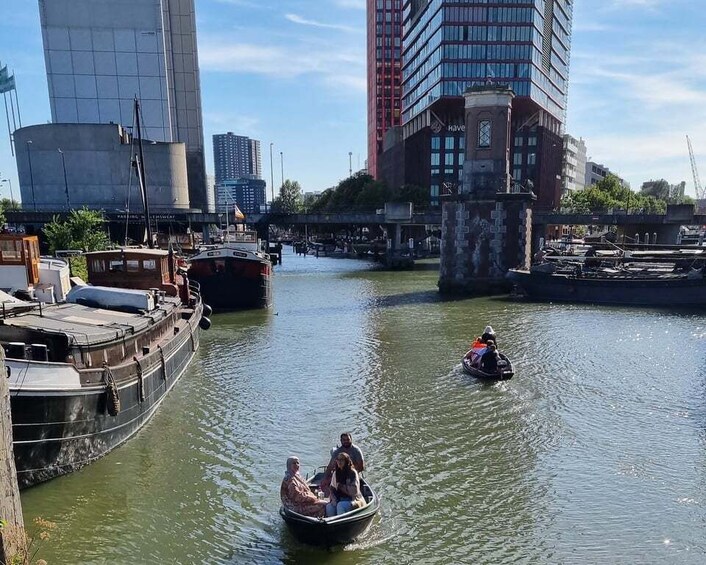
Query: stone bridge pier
x=485, y=229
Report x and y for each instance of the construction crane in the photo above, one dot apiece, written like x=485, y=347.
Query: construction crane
x=698, y=189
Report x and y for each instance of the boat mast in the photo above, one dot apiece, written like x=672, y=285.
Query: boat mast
x=141, y=176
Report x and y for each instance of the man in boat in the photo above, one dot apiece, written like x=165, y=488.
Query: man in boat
x=489, y=360
x=350, y=449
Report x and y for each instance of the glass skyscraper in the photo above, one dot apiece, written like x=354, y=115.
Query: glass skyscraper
x=384, y=74
x=451, y=45
x=101, y=54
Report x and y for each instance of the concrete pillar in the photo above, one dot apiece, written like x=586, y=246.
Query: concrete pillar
x=486, y=229
x=12, y=535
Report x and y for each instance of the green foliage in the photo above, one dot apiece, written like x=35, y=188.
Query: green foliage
x=362, y=192
x=7, y=204
x=372, y=195
x=83, y=229
x=308, y=200
x=417, y=195
x=289, y=200
x=610, y=194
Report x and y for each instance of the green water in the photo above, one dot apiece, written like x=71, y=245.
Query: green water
x=593, y=453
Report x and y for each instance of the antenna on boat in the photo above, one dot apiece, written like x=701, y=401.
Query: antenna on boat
x=141, y=176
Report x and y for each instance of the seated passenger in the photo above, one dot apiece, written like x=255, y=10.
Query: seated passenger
x=349, y=448
x=345, y=487
x=488, y=335
x=489, y=361
x=296, y=494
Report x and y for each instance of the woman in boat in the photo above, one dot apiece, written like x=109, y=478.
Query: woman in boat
x=296, y=494
x=488, y=335
x=345, y=487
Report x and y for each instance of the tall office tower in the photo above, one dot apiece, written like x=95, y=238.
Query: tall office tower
x=384, y=74
x=451, y=45
x=236, y=157
x=255, y=159
x=100, y=54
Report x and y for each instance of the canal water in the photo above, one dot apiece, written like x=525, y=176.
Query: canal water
x=594, y=453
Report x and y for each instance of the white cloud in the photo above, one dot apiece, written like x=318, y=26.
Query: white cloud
x=220, y=121
x=294, y=18
x=334, y=67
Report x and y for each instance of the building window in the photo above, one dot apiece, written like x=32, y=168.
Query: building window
x=484, y=133
x=436, y=142
x=517, y=159
x=449, y=143
x=434, y=159
x=531, y=158
x=532, y=140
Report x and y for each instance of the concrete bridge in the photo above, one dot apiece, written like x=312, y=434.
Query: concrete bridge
x=665, y=225
x=676, y=215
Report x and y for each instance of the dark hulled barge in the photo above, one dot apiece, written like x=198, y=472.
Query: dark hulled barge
x=667, y=277
x=87, y=374
x=235, y=274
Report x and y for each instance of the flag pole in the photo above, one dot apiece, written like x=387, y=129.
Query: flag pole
x=7, y=117
x=17, y=100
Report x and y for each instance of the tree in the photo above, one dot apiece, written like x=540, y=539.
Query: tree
x=82, y=229
x=7, y=204
x=289, y=200
x=417, y=195
x=372, y=195
x=608, y=194
x=309, y=201
x=359, y=191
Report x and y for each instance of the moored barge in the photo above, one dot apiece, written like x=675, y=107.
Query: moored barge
x=87, y=374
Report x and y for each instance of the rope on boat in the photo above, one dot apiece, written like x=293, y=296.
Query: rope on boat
x=111, y=391
x=163, y=362
x=140, y=380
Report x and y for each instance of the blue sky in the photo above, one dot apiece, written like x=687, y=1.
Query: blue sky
x=293, y=73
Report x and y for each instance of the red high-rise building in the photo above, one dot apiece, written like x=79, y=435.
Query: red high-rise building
x=384, y=74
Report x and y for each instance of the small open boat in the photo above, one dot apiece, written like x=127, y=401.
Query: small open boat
x=504, y=372
x=335, y=530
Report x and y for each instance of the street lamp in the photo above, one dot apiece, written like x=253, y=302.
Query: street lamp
x=31, y=177
x=350, y=163
x=66, y=182
x=281, y=162
x=272, y=174
x=9, y=181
